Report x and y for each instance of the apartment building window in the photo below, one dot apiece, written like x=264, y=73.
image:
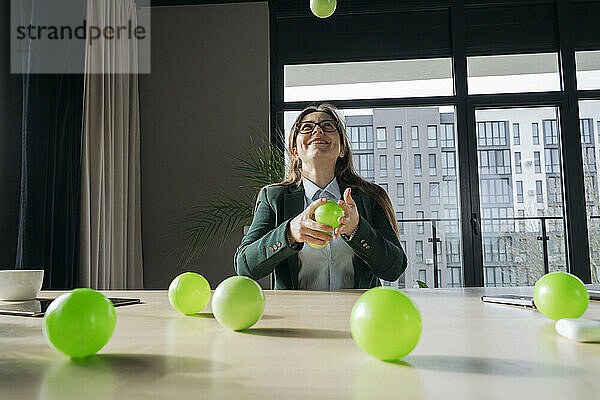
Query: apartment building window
x=586, y=126
x=417, y=165
x=448, y=163
x=494, y=191
x=550, y=127
x=383, y=166
x=431, y=136
x=399, y=218
x=554, y=190
x=417, y=194
x=432, y=165
x=384, y=187
x=494, y=162
x=420, y=224
x=364, y=164
x=535, y=132
x=518, y=168
x=492, y=133
x=423, y=275
x=400, y=194
x=449, y=192
x=419, y=252
x=361, y=137
x=538, y=192
x=589, y=159
x=516, y=135
x=397, y=165
x=598, y=123
x=434, y=193
x=536, y=162
x=447, y=135
x=414, y=133
x=519, y=191
x=452, y=251
x=398, y=134
x=521, y=213
x=551, y=160
x=381, y=138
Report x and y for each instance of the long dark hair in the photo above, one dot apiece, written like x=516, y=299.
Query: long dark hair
x=344, y=169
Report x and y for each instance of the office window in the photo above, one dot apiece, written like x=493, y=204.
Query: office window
x=516, y=135
x=492, y=133
x=550, y=131
x=417, y=165
x=414, y=133
x=587, y=130
x=381, y=138
x=431, y=136
x=535, y=133
x=417, y=194
x=398, y=134
x=419, y=252
x=432, y=165
x=420, y=224
x=538, y=192
x=536, y=162
x=397, y=165
x=400, y=194
x=449, y=195
x=434, y=193
x=518, y=168
x=519, y=191
x=448, y=163
x=552, y=161
x=447, y=135
x=382, y=166
x=399, y=218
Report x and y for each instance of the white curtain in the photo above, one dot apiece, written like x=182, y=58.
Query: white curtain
x=110, y=238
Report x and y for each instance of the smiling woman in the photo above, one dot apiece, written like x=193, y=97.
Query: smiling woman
x=362, y=250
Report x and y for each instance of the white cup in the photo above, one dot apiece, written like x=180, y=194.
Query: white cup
x=20, y=284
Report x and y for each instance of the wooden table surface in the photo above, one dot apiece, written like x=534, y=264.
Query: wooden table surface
x=302, y=349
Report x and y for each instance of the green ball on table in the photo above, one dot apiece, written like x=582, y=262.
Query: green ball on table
x=385, y=323
x=79, y=323
x=328, y=214
x=238, y=303
x=323, y=8
x=189, y=293
x=560, y=295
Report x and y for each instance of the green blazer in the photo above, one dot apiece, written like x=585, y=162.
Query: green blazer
x=264, y=249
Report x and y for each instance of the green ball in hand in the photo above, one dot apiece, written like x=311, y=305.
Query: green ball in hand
x=328, y=214
x=385, y=323
x=238, y=303
x=323, y=8
x=79, y=323
x=560, y=295
x=189, y=293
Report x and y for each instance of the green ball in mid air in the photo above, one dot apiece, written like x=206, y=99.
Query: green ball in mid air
x=560, y=295
x=385, y=323
x=238, y=303
x=323, y=8
x=79, y=323
x=189, y=293
x=328, y=214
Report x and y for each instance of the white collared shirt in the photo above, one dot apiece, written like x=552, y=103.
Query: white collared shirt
x=330, y=267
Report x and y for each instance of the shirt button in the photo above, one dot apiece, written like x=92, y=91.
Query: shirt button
x=362, y=241
x=368, y=247
x=278, y=244
x=271, y=248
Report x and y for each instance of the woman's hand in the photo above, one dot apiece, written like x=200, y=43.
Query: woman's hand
x=350, y=220
x=304, y=228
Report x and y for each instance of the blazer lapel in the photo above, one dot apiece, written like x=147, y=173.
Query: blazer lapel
x=293, y=204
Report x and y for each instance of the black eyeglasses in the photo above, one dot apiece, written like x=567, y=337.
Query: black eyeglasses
x=326, y=126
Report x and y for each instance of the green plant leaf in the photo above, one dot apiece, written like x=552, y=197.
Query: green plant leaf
x=421, y=284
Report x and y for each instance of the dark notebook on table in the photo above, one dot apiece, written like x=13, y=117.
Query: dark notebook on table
x=37, y=307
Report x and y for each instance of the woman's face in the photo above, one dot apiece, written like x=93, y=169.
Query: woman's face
x=318, y=143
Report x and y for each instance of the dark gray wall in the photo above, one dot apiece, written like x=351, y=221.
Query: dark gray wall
x=209, y=84
x=10, y=145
